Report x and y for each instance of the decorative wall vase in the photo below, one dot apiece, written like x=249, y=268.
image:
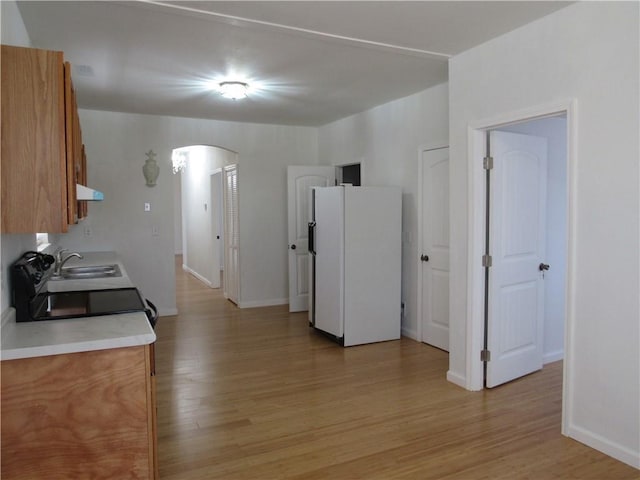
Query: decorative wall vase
x=151, y=170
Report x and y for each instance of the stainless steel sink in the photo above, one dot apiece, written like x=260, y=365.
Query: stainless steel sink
x=92, y=271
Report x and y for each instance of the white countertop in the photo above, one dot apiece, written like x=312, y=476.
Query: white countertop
x=54, y=337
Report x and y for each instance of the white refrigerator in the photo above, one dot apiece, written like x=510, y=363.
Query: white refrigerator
x=355, y=249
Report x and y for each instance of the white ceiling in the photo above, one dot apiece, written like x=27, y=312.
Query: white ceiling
x=313, y=61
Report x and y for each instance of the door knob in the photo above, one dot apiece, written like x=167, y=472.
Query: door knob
x=293, y=247
x=424, y=258
x=543, y=266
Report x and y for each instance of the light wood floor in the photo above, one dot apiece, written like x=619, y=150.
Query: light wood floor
x=256, y=394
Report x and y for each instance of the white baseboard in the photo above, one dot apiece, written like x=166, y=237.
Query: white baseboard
x=409, y=332
x=457, y=379
x=604, y=445
x=204, y=280
x=264, y=303
x=553, y=356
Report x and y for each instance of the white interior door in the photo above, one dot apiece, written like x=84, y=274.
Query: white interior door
x=517, y=247
x=216, y=240
x=435, y=248
x=231, y=234
x=299, y=180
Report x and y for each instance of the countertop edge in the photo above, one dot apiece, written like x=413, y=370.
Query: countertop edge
x=77, y=347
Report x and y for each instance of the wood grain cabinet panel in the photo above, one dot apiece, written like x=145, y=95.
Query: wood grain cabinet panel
x=71, y=132
x=76, y=158
x=81, y=173
x=42, y=151
x=33, y=163
x=80, y=415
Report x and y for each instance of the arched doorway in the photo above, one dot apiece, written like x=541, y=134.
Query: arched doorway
x=202, y=211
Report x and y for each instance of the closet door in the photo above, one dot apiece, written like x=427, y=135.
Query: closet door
x=231, y=235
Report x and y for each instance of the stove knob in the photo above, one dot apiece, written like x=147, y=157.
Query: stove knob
x=47, y=261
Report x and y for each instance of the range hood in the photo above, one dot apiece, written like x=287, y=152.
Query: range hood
x=86, y=193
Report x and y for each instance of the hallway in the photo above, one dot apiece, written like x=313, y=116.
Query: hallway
x=256, y=394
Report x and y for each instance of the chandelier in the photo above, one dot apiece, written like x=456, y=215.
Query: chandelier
x=179, y=160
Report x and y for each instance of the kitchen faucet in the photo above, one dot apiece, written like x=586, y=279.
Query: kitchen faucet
x=61, y=261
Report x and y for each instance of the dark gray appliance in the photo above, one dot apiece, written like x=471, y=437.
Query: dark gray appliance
x=32, y=301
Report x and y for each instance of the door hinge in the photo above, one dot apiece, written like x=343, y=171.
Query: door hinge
x=485, y=356
x=487, y=260
x=487, y=163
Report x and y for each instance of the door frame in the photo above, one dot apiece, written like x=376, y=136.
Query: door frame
x=217, y=218
x=418, y=251
x=339, y=166
x=225, y=279
x=475, y=240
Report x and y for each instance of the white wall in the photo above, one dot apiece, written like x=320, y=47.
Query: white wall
x=587, y=51
x=177, y=213
x=116, y=144
x=199, y=213
x=555, y=131
x=12, y=32
x=386, y=140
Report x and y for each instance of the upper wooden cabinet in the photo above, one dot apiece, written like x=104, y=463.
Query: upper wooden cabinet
x=42, y=154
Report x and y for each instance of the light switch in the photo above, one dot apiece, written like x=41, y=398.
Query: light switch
x=147, y=207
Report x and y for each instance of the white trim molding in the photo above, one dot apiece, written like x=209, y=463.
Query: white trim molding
x=204, y=280
x=554, y=356
x=615, y=450
x=263, y=303
x=410, y=333
x=457, y=379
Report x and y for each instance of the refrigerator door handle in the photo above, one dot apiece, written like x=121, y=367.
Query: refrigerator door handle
x=312, y=242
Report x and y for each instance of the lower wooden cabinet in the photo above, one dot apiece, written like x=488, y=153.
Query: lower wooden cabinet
x=80, y=415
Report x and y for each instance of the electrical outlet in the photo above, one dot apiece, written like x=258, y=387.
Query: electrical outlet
x=88, y=232
x=155, y=231
x=147, y=207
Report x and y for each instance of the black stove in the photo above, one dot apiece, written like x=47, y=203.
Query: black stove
x=85, y=303
x=32, y=301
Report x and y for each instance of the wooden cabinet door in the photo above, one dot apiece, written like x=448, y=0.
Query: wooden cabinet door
x=153, y=410
x=82, y=180
x=79, y=415
x=71, y=132
x=33, y=151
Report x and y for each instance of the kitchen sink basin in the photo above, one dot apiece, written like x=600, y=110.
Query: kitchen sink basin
x=87, y=272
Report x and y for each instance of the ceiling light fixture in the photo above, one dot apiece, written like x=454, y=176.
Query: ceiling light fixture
x=233, y=90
